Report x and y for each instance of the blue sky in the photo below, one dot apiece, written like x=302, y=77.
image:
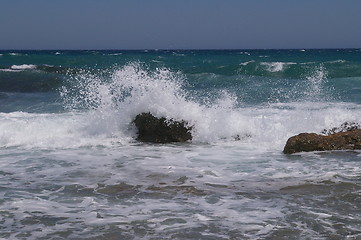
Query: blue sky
x=179, y=24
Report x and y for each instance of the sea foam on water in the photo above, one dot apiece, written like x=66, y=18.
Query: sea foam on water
x=100, y=110
x=70, y=166
x=132, y=90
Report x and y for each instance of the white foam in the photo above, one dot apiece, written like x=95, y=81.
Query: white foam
x=178, y=54
x=246, y=63
x=160, y=93
x=101, y=112
x=316, y=81
x=9, y=70
x=241, y=180
x=338, y=61
x=276, y=66
x=68, y=130
x=23, y=67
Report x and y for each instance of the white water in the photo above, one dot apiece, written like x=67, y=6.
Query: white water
x=100, y=112
x=23, y=67
x=276, y=66
x=265, y=128
x=81, y=174
x=165, y=190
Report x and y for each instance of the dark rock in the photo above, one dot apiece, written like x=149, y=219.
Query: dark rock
x=161, y=130
x=307, y=142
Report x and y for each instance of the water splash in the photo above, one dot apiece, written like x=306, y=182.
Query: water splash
x=316, y=83
x=113, y=102
x=133, y=89
x=100, y=109
x=311, y=88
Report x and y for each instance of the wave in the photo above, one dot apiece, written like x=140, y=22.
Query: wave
x=30, y=78
x=29, y=67
x=245, y=53
x=337, y=61
x=9, y=70
x=33, y=78
x=133, y=89
x=246, y=63
x=178, y=54
x=276, y=66
x=336, y=68
x=100, y=111
x=23, y=67
x=155, y=61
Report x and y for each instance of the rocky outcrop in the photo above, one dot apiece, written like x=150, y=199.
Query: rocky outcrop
x=307, y=142
x=161, y=130
x=344, y=127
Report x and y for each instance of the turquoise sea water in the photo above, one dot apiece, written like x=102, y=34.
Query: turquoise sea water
x=70, y=167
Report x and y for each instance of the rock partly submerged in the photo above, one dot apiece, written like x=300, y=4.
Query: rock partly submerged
x=344, y=127
x=308, y=142
x=161, y=130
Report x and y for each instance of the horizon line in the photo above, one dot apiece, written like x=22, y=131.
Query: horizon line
x=177, y=49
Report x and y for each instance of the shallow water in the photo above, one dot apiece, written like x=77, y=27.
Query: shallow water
x=179, y=191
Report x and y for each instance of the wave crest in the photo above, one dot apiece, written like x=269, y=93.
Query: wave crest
x=134, y=89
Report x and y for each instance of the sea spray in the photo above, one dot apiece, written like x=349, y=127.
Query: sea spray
x=316, y=83
x=100, y=109
x=313, y=87
x=133, y=89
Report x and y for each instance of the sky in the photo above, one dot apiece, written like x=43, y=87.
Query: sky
x=179, y=24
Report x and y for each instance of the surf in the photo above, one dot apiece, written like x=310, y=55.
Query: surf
x=99, y=110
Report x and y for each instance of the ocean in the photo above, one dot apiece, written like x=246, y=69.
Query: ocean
x=71, y=167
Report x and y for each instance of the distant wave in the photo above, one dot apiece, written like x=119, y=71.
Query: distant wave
x=31, y=78
x=9, y=70
x=276, y=66
x=23, y=67
x=33, y=67
x=246, y=63
x=178, y=54
x=338, y=61
x=101, y=109
x=337, y=68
